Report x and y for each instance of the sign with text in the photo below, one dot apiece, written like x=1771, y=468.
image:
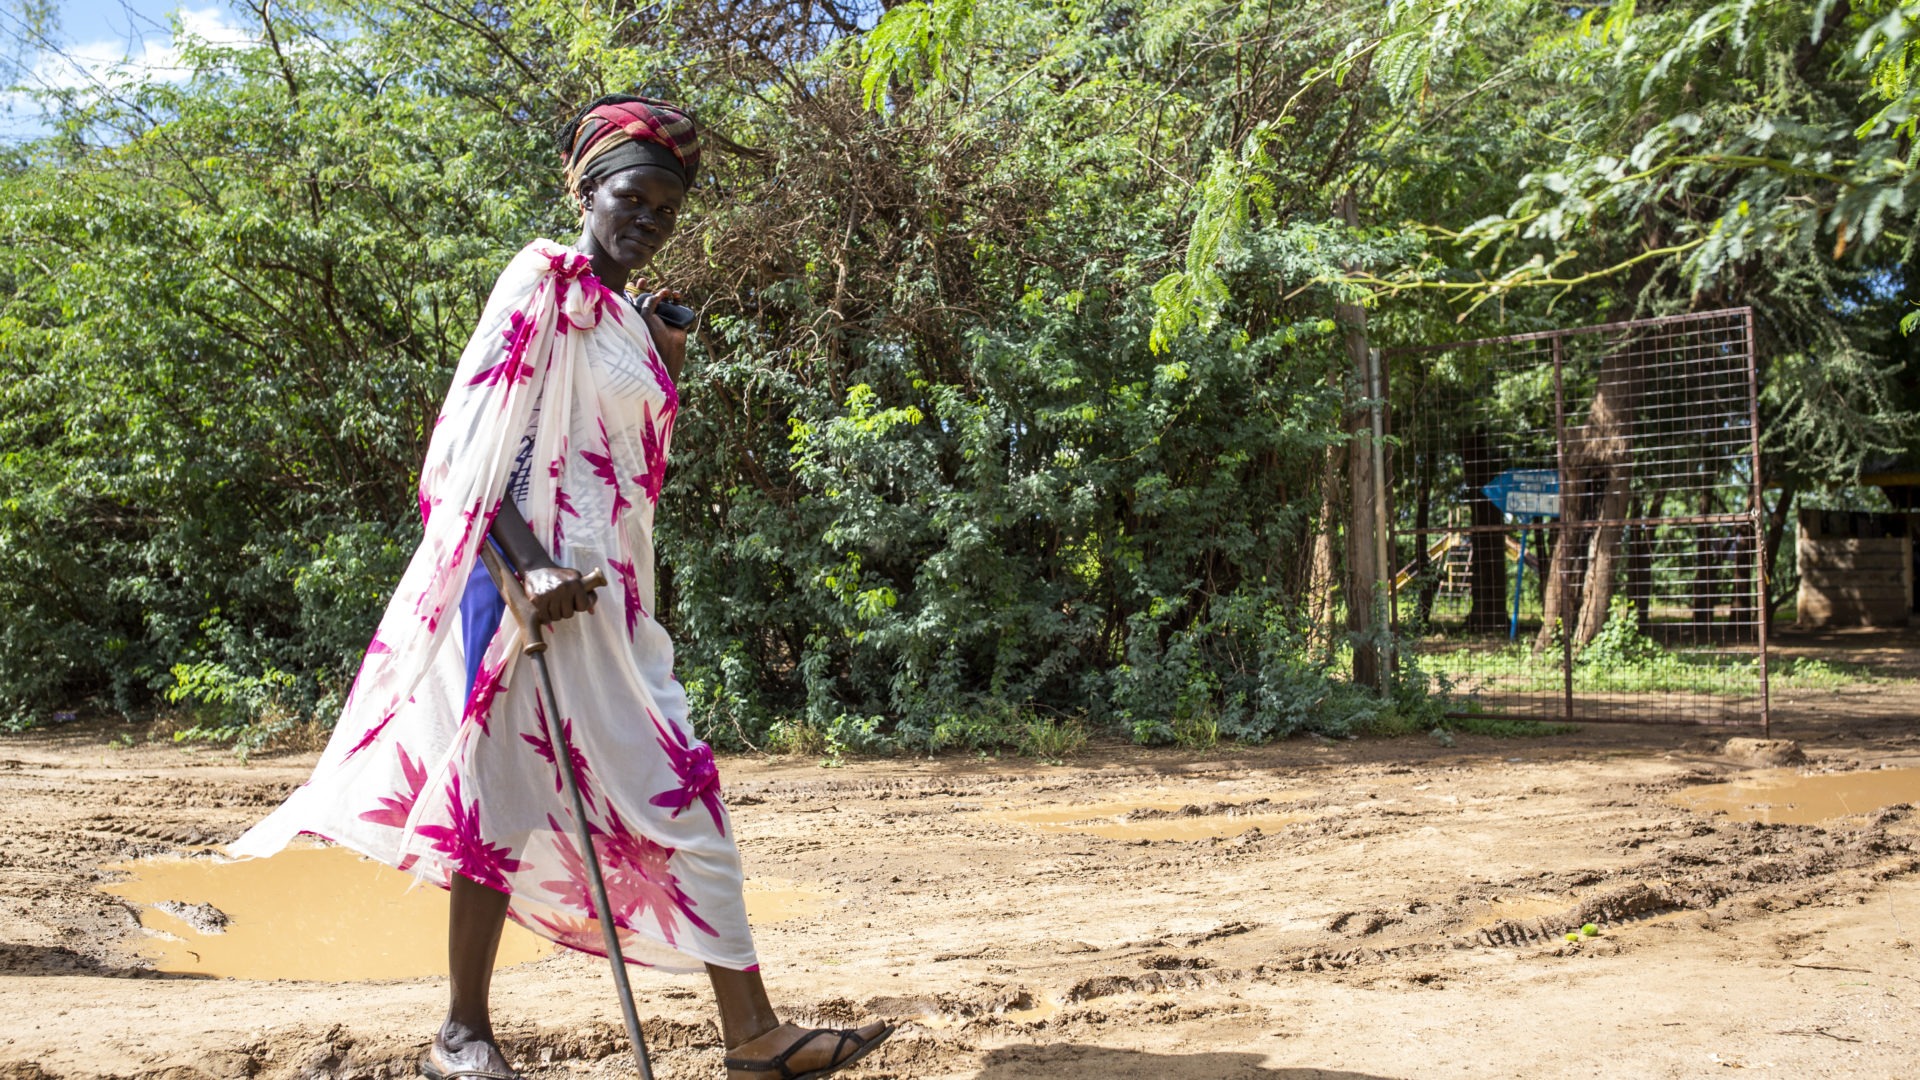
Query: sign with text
x=1526, y=492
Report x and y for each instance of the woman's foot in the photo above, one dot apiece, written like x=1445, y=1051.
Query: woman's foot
x=460, y=1051
x=807, y=1051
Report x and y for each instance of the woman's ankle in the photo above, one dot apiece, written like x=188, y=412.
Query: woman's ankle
x=461, y=1032
x=760, y=1033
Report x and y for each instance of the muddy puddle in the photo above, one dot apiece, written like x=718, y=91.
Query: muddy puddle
x=1785, y=797
x=1038, y=1009
x=328, y=914
x=322, y=913
x=772, y=900
x=1162, y=819
x=1516, y=908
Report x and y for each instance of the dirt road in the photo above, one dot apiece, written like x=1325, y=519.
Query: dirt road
x=1369, y=909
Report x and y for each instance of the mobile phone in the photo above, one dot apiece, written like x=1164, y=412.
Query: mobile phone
x=678, y=316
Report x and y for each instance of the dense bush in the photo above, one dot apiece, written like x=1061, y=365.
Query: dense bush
x=1019, y=380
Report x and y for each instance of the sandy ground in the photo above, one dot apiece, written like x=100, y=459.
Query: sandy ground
x=1356, y=909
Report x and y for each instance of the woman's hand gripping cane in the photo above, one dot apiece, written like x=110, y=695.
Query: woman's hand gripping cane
x=556, y=592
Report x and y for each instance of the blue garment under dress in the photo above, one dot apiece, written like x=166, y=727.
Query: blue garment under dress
x=481, y=606
x=480, y=611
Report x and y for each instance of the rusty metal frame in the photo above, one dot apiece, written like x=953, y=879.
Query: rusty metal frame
x=1751, y=519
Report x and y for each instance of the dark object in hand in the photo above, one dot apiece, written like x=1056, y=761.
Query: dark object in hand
x=678, y=316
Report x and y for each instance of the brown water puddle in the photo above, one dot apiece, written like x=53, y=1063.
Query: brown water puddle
x=1043, y=1008
x=1116, y=820
x=322, y=913
x=771, y=900
x=1785, y=797
x=1515, y=908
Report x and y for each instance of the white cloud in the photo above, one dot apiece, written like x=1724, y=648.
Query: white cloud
x=109, y=62
x=93, y=63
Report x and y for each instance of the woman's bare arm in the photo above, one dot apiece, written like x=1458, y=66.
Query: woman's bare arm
x=555, y=590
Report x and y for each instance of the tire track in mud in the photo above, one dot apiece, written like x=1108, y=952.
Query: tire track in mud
x=1764, y=867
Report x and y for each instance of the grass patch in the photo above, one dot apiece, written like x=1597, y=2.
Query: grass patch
x=796, y=737
x=1053, y=740
x=1518, y=669
x=1623, y=659
x=1806, y=673
x=989, y=730
x=1500, y=727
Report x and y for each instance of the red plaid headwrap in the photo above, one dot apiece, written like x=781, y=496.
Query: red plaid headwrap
x=634, y=131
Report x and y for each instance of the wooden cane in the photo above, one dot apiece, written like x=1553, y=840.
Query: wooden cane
x=523, y=612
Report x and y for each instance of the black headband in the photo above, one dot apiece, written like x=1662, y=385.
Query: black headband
x=632, y=155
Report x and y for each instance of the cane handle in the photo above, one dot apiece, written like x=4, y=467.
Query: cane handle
x=516, y=597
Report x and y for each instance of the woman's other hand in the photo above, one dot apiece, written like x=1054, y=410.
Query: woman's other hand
x=671, y=343
x=557, y=592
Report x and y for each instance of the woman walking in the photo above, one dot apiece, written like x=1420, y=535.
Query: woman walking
x=552, y=446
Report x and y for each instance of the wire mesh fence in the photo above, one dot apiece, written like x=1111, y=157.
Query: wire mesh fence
x=1574, y=526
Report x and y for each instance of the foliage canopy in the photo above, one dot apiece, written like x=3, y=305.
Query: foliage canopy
x=1021, y=362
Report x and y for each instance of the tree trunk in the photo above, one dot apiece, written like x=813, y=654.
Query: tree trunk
x=1639, y=560
x=1321, y=578
x=1363, y=562
x=1707, y=554
x=1363, y=556
x=1596, y=487
x=1777, y=532
x=1603, y=558
x=1601, y=458
x=1566, y=539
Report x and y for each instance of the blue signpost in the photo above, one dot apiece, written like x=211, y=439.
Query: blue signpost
x=1529, y=494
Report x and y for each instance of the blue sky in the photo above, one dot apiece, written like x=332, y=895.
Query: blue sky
x=125, y=21
x=98, y=37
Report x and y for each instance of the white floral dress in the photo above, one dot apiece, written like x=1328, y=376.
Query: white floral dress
x=436, y=778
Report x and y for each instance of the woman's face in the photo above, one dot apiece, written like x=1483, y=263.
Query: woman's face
x=632, y=214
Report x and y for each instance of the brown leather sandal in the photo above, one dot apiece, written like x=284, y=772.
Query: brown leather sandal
x=861, y=1048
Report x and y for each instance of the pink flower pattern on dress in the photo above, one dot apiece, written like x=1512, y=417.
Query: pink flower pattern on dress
x=574, y=890
x=376, y=647
x=466, y=847
x=485, y=685
x=699, y=777
x=652, y=444
x=442, y=571
x=586, y=936
x=562, y=503
x=571, y=269
x=395, y=808
x=575, y=934
x=582, y=772
x=514, y=368
x=640, y=880
x=372, y=733
x=667, y=386
x=629, y=592
x=603, y=468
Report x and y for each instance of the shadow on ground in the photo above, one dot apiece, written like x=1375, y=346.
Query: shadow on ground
x=1067, y=1061
x=60, y=960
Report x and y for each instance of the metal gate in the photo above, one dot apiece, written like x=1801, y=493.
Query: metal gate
x=1576, y=525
